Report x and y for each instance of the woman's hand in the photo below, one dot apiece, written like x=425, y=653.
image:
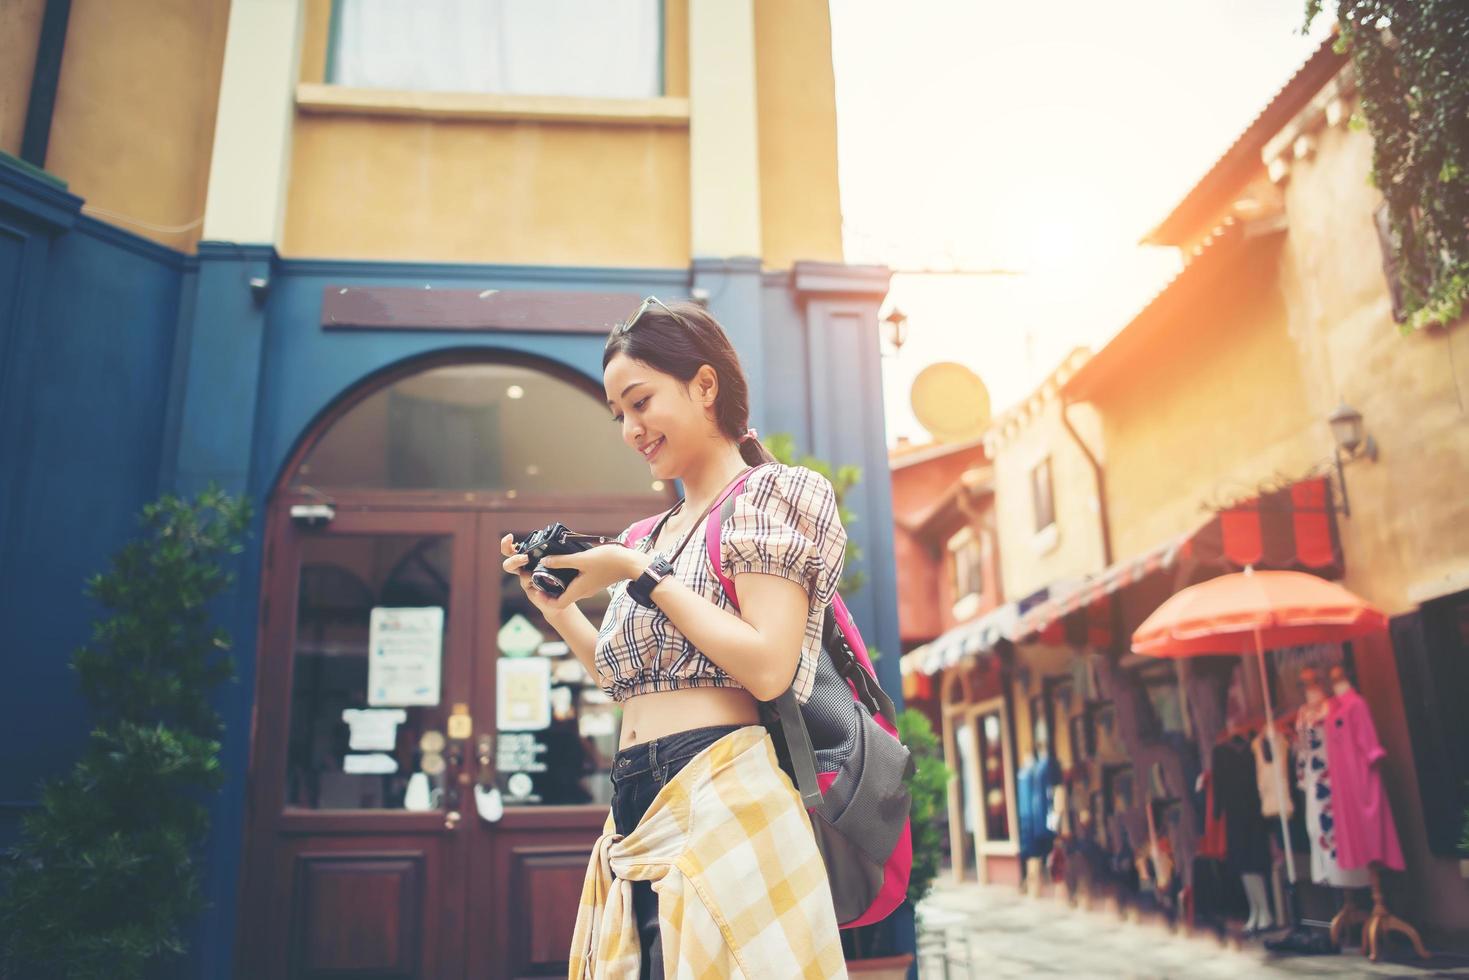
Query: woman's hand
x=599, y=568
x=517, y=565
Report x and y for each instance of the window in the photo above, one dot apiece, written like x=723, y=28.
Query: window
x=1041, y=495
x=477, y=426
x=586, y=48
x=990, y=727
x=967, y=552
x=1163, y=701
x=1387, y=241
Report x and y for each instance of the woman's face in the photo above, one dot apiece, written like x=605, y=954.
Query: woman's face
x=663, y=419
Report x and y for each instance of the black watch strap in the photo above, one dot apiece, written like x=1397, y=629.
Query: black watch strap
x=641, y=588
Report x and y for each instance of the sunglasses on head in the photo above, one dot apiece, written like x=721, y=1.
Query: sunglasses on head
x=648, y=304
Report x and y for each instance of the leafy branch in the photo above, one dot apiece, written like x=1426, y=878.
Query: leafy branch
x=843, y=478
x=1411, y=59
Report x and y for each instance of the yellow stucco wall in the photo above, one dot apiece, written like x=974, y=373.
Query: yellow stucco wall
x=1215, y=409
x=557, y=193
x=512, y=191
x=20, y=31
x=134, y=127
x=515, y=192
x=1226, y=401
x=134, y=122
x=1027, y=562
x=1408, y=538
x=800, y=206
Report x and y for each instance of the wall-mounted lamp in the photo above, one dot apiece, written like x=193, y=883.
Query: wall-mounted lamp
x=895, y=329
x=1351, y=443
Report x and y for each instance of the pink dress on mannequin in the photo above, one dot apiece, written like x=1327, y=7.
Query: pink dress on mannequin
x=1365, y=833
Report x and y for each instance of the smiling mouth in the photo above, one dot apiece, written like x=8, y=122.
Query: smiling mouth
x=650, y=450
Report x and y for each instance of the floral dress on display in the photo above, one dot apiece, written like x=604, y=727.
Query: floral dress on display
x=1315, y=779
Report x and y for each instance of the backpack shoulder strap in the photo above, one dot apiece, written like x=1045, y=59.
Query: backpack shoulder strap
x=787, y=708
x=718, y=514
x=645, y=528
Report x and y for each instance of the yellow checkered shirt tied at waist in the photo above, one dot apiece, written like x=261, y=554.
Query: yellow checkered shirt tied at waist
x=742, y=890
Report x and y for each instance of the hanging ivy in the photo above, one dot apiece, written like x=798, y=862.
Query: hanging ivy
x=1411, y=59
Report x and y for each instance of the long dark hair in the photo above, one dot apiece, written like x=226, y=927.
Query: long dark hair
x=680, y=339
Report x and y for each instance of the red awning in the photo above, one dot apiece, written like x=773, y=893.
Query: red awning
x=1292, y=528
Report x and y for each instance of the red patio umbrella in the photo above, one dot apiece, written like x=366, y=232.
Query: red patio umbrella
x=1257, y=611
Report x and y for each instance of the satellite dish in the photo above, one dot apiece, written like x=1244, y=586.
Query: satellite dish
x=951, y=402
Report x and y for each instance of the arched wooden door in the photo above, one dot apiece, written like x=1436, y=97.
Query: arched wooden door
x=428, y=764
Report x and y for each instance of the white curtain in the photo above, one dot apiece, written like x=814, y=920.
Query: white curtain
x=592, y=48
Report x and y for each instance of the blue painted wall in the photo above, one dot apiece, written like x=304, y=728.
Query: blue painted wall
x=88, y=341
x=136, y=370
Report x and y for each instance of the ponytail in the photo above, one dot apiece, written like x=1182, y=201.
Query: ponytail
x=752, y=450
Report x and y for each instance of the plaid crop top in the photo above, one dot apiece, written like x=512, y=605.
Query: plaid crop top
x=784, y=523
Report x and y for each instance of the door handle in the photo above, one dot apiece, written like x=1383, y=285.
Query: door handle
x=485, y=756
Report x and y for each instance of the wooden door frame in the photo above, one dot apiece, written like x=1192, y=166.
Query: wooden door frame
x=404, y=511
x=526, y=836
x=468, y=521
x=487, y=596
x=263, y=892
x=963, y=710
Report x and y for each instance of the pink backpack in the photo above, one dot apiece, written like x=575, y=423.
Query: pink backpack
x=841, y=750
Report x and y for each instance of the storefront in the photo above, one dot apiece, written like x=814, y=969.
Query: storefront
x=1115, y=743
x=415, y=768
x=960, y=677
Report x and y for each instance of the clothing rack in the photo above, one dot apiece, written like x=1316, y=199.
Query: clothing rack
x=1251, y=727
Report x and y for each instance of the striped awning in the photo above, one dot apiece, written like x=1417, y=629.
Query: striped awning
x=1289, y=528
x=976, y=637
x=1091, y=592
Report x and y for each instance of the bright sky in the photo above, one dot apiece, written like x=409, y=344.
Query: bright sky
x=1042, y=137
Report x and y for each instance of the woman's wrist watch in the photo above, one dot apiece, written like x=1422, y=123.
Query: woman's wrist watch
x=641, y=588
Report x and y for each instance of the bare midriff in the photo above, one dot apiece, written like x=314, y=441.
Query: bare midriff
x=660, y=713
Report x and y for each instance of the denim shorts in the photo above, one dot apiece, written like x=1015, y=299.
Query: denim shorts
x=638, y=773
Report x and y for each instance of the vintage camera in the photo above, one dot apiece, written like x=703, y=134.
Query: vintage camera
x=556, y=539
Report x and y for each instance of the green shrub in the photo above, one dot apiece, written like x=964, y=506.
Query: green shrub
x=105, y=880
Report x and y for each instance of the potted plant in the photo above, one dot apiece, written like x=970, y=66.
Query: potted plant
x=870, y=950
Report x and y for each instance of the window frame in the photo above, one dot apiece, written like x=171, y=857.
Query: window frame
x=965, y=550
x=429, y=96
x=1049, y=509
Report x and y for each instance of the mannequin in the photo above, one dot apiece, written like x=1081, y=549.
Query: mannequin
x=1036, y=791
x=1314, y=776
x=1366, y=835
x=1247, y=849
x=1364, y=824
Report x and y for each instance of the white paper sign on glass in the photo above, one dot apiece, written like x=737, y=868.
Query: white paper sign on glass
x=373, y=729
x=522, y=694
x=404, y=650
x=372, y=764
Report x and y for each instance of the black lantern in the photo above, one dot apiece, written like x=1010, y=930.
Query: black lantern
x=895, y=329
x=1351, y=442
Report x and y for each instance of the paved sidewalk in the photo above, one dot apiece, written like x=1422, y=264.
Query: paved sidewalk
x=990, y=931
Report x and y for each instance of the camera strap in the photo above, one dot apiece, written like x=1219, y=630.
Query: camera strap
x=698, y=524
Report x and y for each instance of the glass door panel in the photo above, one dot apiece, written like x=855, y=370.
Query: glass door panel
x=556, y=733
x=367, y=712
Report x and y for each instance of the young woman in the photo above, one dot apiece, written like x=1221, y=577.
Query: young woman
x=708, y=865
